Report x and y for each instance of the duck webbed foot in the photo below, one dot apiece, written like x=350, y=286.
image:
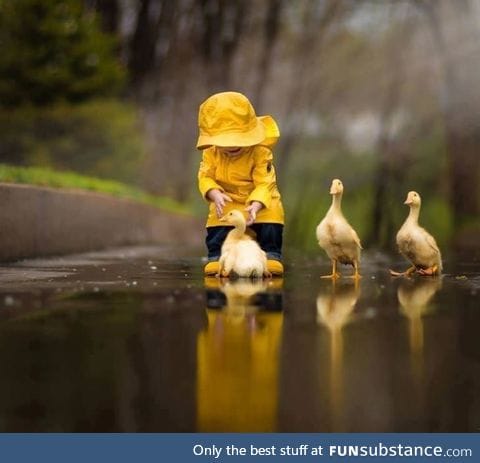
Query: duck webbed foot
x=223, y=273
x=406, y=273
x=356, y=275
x=430, y=271
x=334, y=275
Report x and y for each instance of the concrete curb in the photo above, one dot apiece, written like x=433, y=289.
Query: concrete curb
x=38, y=221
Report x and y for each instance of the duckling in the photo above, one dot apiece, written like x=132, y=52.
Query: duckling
x=416, y=244
x=241, y=254
x=337, y=237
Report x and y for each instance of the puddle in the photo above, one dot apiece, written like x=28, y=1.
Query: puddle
x=137, y=340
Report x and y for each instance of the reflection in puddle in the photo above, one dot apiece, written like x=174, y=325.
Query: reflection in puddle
x=334, y=310
x=142, y=343
x=237, y=374
x=414, y=297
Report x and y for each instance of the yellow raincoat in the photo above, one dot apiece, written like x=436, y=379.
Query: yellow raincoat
x=238, y=373
x=249, y=176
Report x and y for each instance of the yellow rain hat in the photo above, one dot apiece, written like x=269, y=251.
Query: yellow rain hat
x=228, y=119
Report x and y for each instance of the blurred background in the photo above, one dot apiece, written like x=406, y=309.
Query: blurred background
x=380, y=93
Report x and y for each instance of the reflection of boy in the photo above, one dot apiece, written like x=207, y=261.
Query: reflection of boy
x=236, y=172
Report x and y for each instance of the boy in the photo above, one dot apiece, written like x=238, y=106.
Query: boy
x=236, y=172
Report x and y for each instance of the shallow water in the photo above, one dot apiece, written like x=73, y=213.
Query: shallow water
x=137, y=340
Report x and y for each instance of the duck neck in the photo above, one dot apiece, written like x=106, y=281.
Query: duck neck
x=336, y=203
x=239, y=230
x=414, y=214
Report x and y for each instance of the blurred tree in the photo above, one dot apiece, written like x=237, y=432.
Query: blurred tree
x=317, y=21
x=223, y=25
x=53, y=50
x=389, y=172
x=97, y=138
x=154, y=26
x=271, y=28
x=109, y=11
x=454, y=29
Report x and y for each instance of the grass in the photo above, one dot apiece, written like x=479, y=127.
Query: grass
x=40, y=176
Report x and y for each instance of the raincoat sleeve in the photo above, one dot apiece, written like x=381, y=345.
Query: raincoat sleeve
x=264, y=178
x=206, y=174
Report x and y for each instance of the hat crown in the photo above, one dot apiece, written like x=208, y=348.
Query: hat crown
x=226, y=112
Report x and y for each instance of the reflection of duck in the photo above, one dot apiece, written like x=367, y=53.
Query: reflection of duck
x=240, y=294
x=243, y=295
x=414, y=297
x=416, y=244
x=242, y=290
x=241, y=254
x=337, y=237
x=237, y=371
x=334, y=310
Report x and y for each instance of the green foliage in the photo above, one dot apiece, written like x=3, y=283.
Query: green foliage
x=436, y=217
x=46, y=177
x=317, y=162
x=54, y=51
x=306, y=194
x=99, y=138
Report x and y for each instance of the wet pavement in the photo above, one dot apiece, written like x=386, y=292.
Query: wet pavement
x=136, y=339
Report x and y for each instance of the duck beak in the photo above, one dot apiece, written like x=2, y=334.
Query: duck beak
x=408, y=201
x=223, y=219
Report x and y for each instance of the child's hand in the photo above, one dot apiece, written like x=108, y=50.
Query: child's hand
x=252, y=210
x=219, y=198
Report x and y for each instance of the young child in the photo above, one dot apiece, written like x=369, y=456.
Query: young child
x=237, y=172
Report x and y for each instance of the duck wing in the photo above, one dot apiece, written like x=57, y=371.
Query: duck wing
x=356, y=238
x=430, y=240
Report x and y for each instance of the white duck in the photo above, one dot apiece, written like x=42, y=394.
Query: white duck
x=416, y=244
x=337, y=237
x=241, y=254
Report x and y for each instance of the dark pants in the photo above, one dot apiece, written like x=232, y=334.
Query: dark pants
x=269, y=237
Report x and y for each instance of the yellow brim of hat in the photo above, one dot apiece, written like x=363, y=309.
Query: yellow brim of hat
x=265, y=132
x=272, y=132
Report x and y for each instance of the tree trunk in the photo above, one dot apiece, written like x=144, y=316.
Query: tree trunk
x=155, y=22
x=385, y=176
x=315, y=27
x=222, y=29
x=270, y=35
x=461, y=108
x=110, y=14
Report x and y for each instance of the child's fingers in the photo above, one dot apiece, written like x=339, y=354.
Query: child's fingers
x=227, y=198
x=251, y=216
